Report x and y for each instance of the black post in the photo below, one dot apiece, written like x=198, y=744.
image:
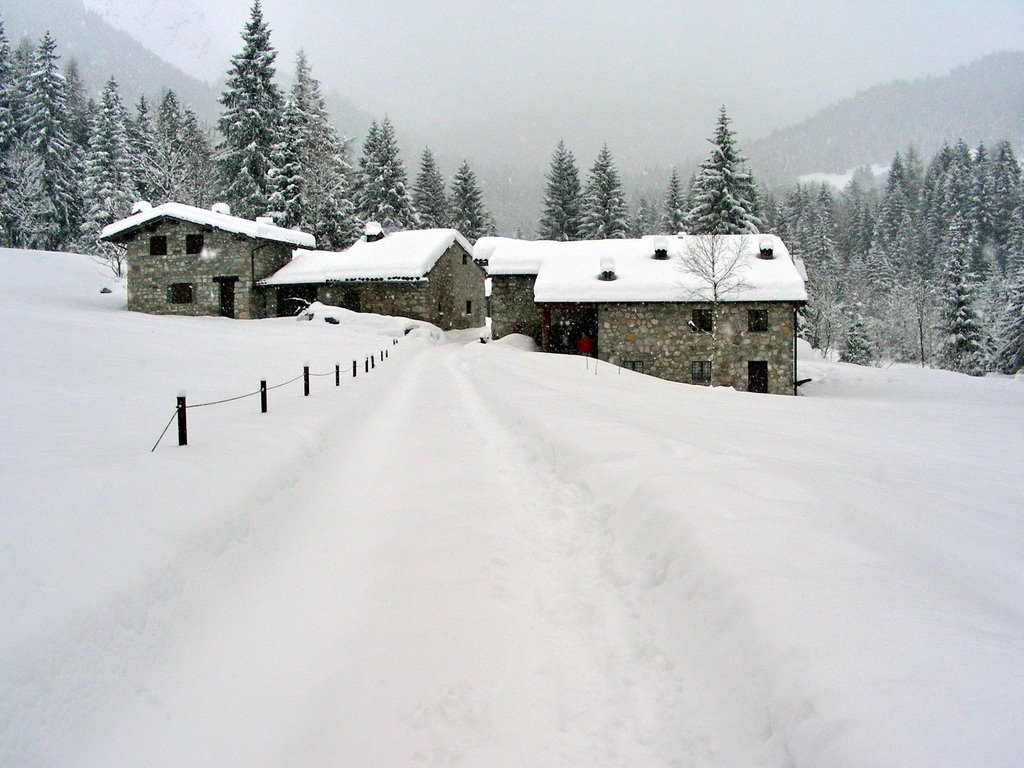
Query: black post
x=366, y=366
x=373, y=361
x=263, y=396
x=305, y=380
x=182, y=422
x=337, y=375
x=353, y=369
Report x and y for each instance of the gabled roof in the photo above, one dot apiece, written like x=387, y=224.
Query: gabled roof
x=399, y=257
x=568, y=271
x=254, y=229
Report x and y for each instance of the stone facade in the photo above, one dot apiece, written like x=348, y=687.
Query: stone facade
x=659, y=337
x=512, y=307
x=220, y=279
x=451, y=296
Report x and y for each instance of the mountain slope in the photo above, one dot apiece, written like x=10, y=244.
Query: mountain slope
x=982, y=101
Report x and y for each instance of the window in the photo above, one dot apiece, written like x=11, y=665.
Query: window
x=469, y=307
x=757, y=376
x=158, y=245
x=181, y=293
x=757, y=320
x=193, y=243
x=633, y=365
x=700, y=372
x=701, y=321
x=465, y=258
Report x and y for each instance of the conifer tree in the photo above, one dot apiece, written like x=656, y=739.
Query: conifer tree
x=141, y=137
x=562, y=217
x=109, y=187
x=80, y=108
x=47, y=132
x=26, y=210
x=675, y=218
x=964, y=347
x=251, y=120
x=8, y=127
x=724, y=195
x=1006, y=192
x=469, y=214
x=857, y=346
x=604, y=204
x=429, y=195
x=382, y=194
x=644, y=219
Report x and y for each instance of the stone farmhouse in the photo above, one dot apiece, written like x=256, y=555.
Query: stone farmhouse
x=184, y=260
x=639, y=304
x=426, y=274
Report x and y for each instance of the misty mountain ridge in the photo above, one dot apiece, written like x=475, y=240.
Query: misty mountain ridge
x=979, y=102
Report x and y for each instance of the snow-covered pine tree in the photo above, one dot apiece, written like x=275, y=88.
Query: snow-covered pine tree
x=382, y=194
x=644, y=219
x=47, y=132
x=469, y=214
x=857, y=347
x=563, y=205
x=982, y=211
x=675, y=217
x=605, y=216
x=724, y=197
x=1006, y=193
x=1009, y=357
x=8, y=128
x=287, y=201
x=109, y=189
x=200, y=186
x=26, y=210
x=141, y=136
x=964, y=347
x=251, y=120
x=81, y=108
x=428, y=194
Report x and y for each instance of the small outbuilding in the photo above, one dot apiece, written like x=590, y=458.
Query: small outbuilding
x=184, y=260
x=714, y=310
x=426, y=274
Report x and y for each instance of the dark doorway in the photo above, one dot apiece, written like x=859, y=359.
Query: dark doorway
x=569, y=327
x=227, y=295
x=292, y=299
x=757, y=376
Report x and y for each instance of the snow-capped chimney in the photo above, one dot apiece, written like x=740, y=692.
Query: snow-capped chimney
x=607, y=268
x=222, y=208
x=374, y=231
x=767, y=248
x=660, y=248
x=141, y=206
x=269, y=220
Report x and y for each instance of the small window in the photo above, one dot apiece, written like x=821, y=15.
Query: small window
x=633, y=365
x=757, y=320
x=469, y=307
x=701, y=321
x=193, y=243
x=700, y=372
x=158, y=245
x=181, y=293
x=465, y=258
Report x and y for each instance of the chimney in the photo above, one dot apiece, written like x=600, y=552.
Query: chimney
x=661, y=248
x=374, y=232
x=221, y=208
x=607, y=268
x=767, y=248
x=141, y=206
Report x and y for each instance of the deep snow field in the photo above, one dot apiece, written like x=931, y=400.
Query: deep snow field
x=484, y=556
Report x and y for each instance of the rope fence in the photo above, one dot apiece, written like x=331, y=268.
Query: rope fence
x=182, y=407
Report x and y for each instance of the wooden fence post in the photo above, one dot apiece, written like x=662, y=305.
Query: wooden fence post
x=305, y=380
x=354, y=366
x=337, y=375
x=182, y=421
x=263, y=396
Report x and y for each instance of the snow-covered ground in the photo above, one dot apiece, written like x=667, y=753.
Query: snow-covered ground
x=482, y=555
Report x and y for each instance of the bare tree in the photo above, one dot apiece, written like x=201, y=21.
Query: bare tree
x=714, y=268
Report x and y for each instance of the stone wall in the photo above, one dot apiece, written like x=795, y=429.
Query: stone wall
x=224, y=255
x=659, y=337
x=512, y=306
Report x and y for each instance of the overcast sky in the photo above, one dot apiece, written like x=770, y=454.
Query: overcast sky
x=483, y=79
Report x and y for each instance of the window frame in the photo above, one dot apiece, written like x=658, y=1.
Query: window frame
x=469, y=306
x=761, y=325
x=181, y=286
x=700, y=372
x=697, y=318
x=158, y=245
x=190, y=240
x=633, y=365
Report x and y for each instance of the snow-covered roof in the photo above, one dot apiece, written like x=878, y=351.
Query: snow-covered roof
x=400, y=256
x=568, y=271
x=255, y=229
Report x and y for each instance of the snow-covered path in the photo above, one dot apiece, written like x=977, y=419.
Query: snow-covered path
x=423, y=592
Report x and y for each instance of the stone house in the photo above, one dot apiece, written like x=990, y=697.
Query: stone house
x=426, y=274
x=641, y=304
x=184, y=260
